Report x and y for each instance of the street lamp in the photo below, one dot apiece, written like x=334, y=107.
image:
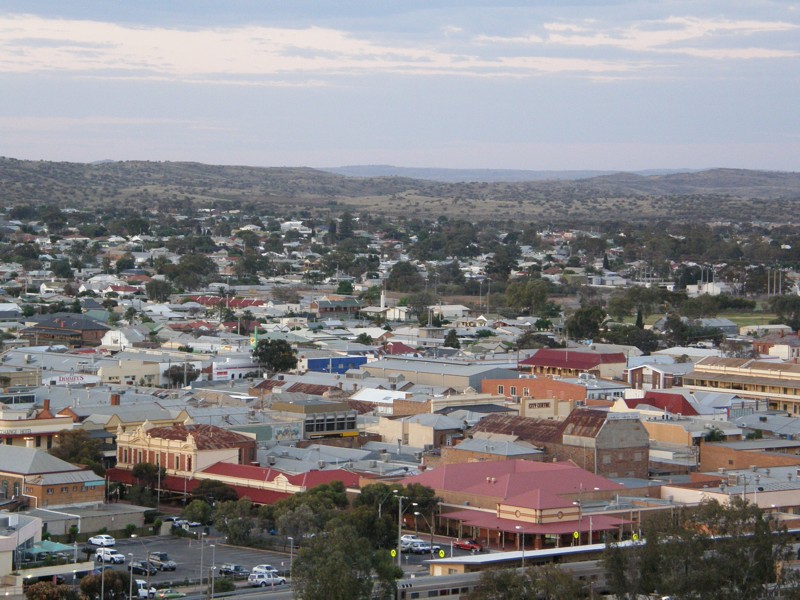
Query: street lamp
x=291, y=555
x=419, y=514
x=384, y=499
x=521, y=542
x=200, y=535
x=130, y=585
x=146, y=559
x=400, y=525
x=213, y=566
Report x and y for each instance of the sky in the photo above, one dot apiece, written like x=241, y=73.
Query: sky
x=536, y=84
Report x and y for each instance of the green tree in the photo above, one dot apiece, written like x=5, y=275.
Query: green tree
x=585, y=323
x=148, y=474
x=340, y=565
x=61, y=269
x=345, y=288
x=215, y=491
x=45, y=590
x=158, y=290
x=198, y=510
x=181, y=375
x=451, y=340
x=115, y=587
x=77, y=447
x=275, y=356
x=236, y=520
x=404, y=277
x=365, y=338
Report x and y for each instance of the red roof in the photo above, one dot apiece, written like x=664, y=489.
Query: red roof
x=395, y=348
x=675, y=404
x=564, y=358
x=508, y=479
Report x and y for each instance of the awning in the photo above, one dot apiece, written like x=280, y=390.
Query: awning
x=486, y=520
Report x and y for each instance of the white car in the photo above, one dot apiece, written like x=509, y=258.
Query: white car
x=264, y=569
x=265, y=580
x=109, y=555
x=102, y=540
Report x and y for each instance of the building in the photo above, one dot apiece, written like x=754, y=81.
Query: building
x=328, y=307
x=568, y=362
x=455, y=375
x=520, y=503
x=67, y=329
x=183, y=449
x=540, y=397
x=776, y=384
x=603, y=443
x=321, y=417
x=45, y=481
x=30, y=427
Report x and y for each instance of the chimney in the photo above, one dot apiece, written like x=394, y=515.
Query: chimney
x=114, y=399
x=46, y=404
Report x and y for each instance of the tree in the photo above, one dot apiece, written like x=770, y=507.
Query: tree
x=275, y=356
x=340, y=565
x=345, y=288
x=236, y=520
x=116, y=585
x=198, y=510
x=451, y=340
x=585, y=323
x=148, y=474
x=365, y=338
x=77, y=447
x=158, y=290
x=181, y=375
x=45, y=590
x=215, y=491
x=404, y=277
x=61, y=269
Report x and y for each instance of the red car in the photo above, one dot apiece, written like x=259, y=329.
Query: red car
x=470, y=545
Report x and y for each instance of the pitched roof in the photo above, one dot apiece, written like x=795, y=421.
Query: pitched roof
x=673, y=403
x=567, y=358
x=206, y=437
x=512, y=479
x=30, y=461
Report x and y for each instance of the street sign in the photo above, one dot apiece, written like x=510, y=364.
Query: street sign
x=393, y=553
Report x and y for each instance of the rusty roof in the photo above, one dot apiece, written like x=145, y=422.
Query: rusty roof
x=524, y=428
x=206, y=437
x=584, y=423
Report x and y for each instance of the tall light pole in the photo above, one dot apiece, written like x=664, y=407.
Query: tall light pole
x=200, y=535
x=291, y=555
x=146, y=559
x=213, y=566
x=521, y=541
x=130, y=584
x=419, y=514
x=103, y=581
x=400, y=526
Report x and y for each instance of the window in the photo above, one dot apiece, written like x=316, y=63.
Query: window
x=500, y=389
x=177, y=463
x=38, y=441
x=49, y=490
x=513, y=390
x=65, y=489
x=526, y=391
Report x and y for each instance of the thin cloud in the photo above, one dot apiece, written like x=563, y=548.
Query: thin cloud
x=30, y=44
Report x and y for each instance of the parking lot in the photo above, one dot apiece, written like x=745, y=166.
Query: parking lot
x=188, y=554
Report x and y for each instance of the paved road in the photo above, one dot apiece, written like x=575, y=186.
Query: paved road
x=188, y=554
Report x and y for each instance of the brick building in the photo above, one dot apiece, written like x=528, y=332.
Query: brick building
x=67, y=329
x=567, y=362
x=605, y=444
x=540, y=397
x=183, y=449
x=46, y=481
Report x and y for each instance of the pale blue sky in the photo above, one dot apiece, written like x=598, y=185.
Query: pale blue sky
x=461, y=84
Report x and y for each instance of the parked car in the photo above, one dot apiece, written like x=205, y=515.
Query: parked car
x=162, y=561
x=102, y=540
x=421, y=547
x=109, y=555
x=264, y=569
x=470, y=545
x=265, y=579
x=169, y=594
x=233, y=570
x=139, y=567
x=406, y=541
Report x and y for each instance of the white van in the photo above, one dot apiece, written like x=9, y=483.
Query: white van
x=144, y=592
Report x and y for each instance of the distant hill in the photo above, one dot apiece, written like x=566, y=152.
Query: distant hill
x=482, y=175
x=552, y=197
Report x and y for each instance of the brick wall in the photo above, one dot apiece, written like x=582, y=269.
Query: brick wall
x=713, y=457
